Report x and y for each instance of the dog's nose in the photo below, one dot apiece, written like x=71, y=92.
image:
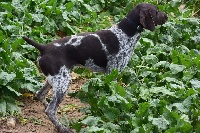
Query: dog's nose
x=166, y=16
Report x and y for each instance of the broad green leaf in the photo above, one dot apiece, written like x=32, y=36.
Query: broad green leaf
x=67, y=25
x=112, y=76
x=164, y=64
x=64, y=120
x=12, y=107
x=88, y=7
x=65, y=16
x=144, y=93
x=69, y=6
x=150, y=59
x=176, y=68
x=3, y=106
x=194, y=21
x=185, y=127
x=187, y=75
x=174, y=56
x=29, y=86
x=179, y=106
x=170, y=115
x=195, y=83
x=171, y=130
x=162, y=90
x=185, y=118
x=37, y=17
x=112, y=113
x=13, y=90
x=114, y=99
x=143, y=109
x=147, y=40
x=5, y=77
x=196, y=39
x=91, y=121
x=116, y=88
x=161, y=122
x=111, y=126
x=174, y=80
x=185, y=60
x=175, y=2
x=94, y=129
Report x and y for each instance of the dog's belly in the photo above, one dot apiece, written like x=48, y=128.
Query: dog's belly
x=92, y=66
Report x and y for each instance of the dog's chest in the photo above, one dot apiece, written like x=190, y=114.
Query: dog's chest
x=126, y=48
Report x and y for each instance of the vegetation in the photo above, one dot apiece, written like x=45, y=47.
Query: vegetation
x=159, y=90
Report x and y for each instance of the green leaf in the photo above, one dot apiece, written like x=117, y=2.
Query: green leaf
x=65, y=16
x=187, y=75
x=174, y=56
x=94, y=129
x=162, y=90
x=161, y=122
x=91, y=121
x=174, y=3
x=13, y=90
x=12, y=107
x=171, y=130
x=88, y=7
x=144, y=93
x=112, y=76
x=111, y=126
x=117, y=88
x=150, y=59
x=179, y=106
x=194, y=21
x=111, y=113
x=3, y=106
x=185, y=60
x=37, y=17
x=5, y=77
x=143, y=109
x=147, y=40
x=164, y=64
x=195, y=83
x=185, y=127
x=176, y=68
x=69, y=6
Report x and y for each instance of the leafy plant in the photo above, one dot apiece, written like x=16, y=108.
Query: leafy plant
x=44, y=21
x=158, y=91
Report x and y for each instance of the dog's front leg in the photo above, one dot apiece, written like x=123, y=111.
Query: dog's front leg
x=41, y=94
x=60, y=84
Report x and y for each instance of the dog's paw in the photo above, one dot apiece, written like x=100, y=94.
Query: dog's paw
x=65, y=130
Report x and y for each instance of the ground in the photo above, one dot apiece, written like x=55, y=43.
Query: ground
x=34, y=120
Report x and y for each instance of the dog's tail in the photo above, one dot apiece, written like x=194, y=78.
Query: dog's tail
x=33, y=43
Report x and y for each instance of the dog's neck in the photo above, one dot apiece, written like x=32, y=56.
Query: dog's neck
x=130, y=25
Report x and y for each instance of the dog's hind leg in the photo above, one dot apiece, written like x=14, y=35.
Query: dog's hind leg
x=60, y=84
x=41, y=94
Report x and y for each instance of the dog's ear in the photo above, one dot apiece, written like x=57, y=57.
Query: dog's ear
x=147, y=19
x=35, y=44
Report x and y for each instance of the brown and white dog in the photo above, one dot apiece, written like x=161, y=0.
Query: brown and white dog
x=100, y=51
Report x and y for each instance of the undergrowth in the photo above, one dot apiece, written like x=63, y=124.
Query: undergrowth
x=159, y=90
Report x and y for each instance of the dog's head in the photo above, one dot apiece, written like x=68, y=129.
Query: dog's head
x=148, y=15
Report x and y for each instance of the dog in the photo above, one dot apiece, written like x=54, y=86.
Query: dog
x=100, y=51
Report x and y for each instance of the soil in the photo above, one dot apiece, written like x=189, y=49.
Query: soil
x=33, y=118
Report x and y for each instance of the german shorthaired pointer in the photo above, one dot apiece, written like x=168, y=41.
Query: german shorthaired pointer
x=100, y=51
